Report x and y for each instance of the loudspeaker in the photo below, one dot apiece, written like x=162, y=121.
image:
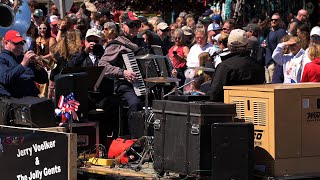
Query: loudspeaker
x=5, y=110
x=76, y=83
x=32, y=112
x=232, y=151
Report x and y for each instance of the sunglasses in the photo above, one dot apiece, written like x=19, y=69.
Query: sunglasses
x=177, y=38
x=42, y=28
x=93, y=40
x=134, y=25
x=315, y=38
x=164, y=30
x=18, y=43
x=274, y=19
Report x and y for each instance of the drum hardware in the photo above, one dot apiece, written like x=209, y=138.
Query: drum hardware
x=202, y=68
x=162, y=80
x=178, y=88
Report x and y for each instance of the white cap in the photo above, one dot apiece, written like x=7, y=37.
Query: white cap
x=93, y=32
x=162, y=26
x=53, y=19
x=315, y=31
x=213, y=27
x=238, y=35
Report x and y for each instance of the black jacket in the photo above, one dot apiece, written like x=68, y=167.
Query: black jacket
x=237, y=70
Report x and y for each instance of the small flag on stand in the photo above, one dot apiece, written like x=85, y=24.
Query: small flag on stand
x=67, y=107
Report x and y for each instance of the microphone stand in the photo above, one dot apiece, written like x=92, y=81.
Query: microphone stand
x=178, y=88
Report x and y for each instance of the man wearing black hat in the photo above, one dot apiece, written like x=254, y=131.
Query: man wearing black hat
x=114, y=63
x=104, y=15
x=253, y=42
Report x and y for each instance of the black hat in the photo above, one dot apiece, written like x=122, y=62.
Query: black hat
x=103, y=12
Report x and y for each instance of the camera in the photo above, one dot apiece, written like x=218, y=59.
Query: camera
x=97, y=50
x=174, y=52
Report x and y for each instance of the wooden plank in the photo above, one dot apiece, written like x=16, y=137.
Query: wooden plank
x=116, y=172
x=72, y=154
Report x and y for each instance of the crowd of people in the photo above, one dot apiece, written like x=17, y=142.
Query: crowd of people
x=265, y=51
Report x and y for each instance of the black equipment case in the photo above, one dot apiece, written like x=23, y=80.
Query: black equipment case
x=232, y=151
x=182, y=134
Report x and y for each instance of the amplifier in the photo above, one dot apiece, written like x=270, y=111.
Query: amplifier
x=33, y=112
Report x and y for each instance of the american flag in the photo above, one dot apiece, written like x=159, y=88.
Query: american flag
x=68, y=102
x=69, y=105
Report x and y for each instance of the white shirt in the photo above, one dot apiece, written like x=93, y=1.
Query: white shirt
x=92, y=57
x=196, y=50
x=291, y=63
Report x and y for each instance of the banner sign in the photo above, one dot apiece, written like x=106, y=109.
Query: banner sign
x=27, y=154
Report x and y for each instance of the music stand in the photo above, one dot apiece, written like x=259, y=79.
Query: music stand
x=95, y=75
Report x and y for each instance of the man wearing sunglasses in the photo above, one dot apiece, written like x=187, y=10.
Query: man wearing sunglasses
x=163, y=32
x=18, y=72
x=273, y=71
x=113, y=61
x=92, y=51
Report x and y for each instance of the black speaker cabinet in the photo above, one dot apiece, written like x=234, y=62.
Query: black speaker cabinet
x=33, y=112
x=76, y=83
x=182, y=135
x=232, y=151
x=5, y=110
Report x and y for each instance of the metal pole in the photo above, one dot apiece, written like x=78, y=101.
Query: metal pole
x=62, y=9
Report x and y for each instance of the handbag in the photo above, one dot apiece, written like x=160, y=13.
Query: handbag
x=119, y=147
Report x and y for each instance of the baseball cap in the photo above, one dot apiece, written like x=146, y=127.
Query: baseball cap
x=206, y=20
x=162, y=26
x=103, y=12
x=187, y=30
x=93, y=32
x=13, y=36
x=315, y=31
x=110, y=25
x=53, y=19
x=238, y=37
x=129, y=17
x=216, y=18
x=213, y=27
x=143, y=19
x=251, y=27
x=38, y=13
x=207, y=12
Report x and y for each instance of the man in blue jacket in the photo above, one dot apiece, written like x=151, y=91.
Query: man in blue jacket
x=19, y=72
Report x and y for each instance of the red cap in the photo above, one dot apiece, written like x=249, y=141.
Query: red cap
x=13, y=36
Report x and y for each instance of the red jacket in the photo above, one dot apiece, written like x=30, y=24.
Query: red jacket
x=311, y=71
